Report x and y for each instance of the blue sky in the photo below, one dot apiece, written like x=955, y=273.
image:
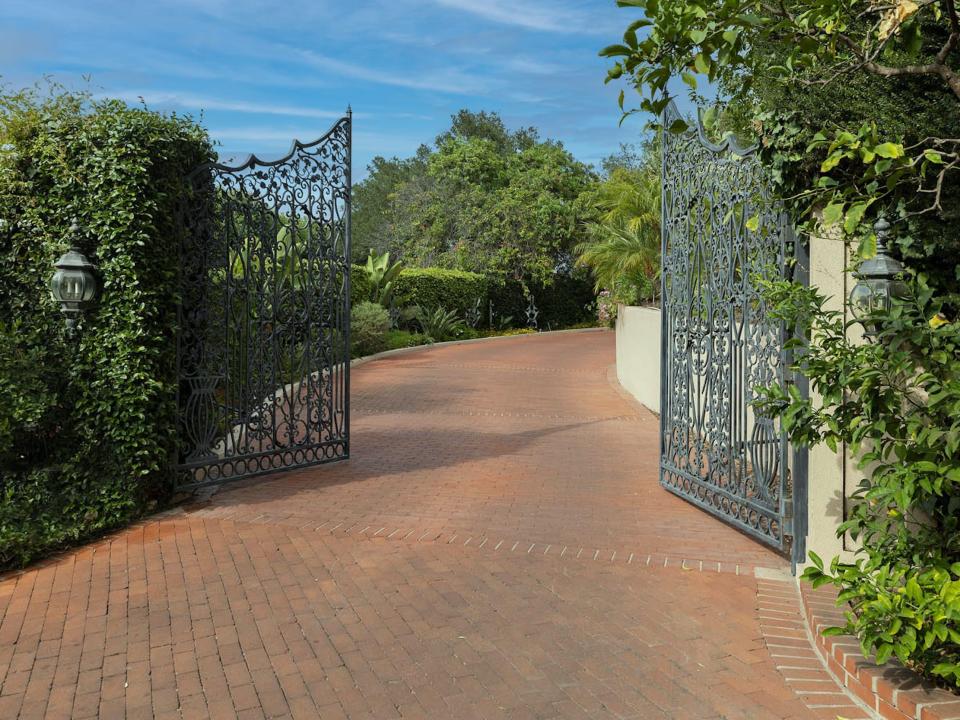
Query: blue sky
x=264, y=71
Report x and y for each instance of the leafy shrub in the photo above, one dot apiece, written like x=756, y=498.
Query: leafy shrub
x=896, y=402
x=397, y=339
x=435, y=287
x=440, y=324
x=87, y=426
x=361, y=285
x=507, y=333
x=606, y=309
x=369, y=324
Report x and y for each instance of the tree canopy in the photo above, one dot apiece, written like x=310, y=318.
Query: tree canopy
x=483, y=198
x=856, y=104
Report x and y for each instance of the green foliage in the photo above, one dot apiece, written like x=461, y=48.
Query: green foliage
x=381, y=275
x=855, y=105
x=369, y=324
x=625, y=260
x=860, y=114
x=440, y=324
x=87, y=426
x=568, y=300
x=623, y=249
x=361, y=286
x=484, y=200
x=436, y=287
x=895, y=401
x=373, y=198
x=396, y=339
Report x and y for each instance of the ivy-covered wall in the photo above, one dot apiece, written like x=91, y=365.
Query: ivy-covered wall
x=86, y=425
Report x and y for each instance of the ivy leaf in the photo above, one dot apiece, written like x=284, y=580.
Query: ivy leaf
x=701, y=63
x=889, y=150
x=833, y=159
x=854, y=216
x=832, y=213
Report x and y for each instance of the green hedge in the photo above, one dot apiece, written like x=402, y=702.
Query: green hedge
x=567, y=301
x=86, y=425
x=431, y=288
x=361, y=287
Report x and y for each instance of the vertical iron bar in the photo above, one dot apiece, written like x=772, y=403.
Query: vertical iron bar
x=348, y=261
x=666, y=366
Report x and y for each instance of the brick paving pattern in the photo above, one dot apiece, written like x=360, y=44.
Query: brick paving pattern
x=497, y=547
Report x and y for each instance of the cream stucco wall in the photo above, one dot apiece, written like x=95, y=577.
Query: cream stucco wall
x=638, y=353
x=832, y=475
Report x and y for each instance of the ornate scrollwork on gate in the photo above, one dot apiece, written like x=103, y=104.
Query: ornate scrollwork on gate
x=722, y=230
x=263, y=347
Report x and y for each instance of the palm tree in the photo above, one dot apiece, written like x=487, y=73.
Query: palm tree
x=624, y=248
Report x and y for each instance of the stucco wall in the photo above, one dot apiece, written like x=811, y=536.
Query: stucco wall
x=638, y=353
x=832, y=476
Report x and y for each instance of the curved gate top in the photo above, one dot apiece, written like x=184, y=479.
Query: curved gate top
x=263, y=352
x=721, y=231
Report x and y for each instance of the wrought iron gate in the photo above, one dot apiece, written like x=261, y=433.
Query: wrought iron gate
x=264, y=318
x=722, y=231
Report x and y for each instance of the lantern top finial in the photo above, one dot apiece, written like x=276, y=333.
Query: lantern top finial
x=882, y=229
x=73, y=234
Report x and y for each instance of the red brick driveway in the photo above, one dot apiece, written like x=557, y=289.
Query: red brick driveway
x=498, y=547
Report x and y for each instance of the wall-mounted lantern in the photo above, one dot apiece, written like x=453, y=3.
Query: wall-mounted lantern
x=74, y=284
x=878, y=279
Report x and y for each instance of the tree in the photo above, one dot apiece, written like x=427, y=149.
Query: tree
x=373, y=196
x=747, y=47
x=486, y=200
x=467, y=125
x=623, y=249
x=627, y=157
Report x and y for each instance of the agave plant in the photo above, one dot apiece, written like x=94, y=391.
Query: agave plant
x=439, y=324
x=382, y=274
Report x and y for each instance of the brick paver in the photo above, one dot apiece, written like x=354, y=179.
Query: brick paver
x=497, y=547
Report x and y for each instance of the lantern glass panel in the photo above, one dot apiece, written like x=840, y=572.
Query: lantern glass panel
x=861, y=299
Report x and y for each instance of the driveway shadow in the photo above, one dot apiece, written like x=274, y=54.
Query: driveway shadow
x=377, y=453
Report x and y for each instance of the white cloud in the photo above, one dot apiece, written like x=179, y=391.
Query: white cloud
x=548, y=17
x=193, y=102
x=447, y=81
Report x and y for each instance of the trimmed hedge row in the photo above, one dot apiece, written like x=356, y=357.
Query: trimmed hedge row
x=434, y=287
x=568, y=301
x=87, y=425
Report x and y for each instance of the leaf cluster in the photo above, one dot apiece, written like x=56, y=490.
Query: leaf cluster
x=895, y=403
x=855, y=104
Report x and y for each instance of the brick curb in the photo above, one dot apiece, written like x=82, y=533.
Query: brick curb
x=891, y=690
